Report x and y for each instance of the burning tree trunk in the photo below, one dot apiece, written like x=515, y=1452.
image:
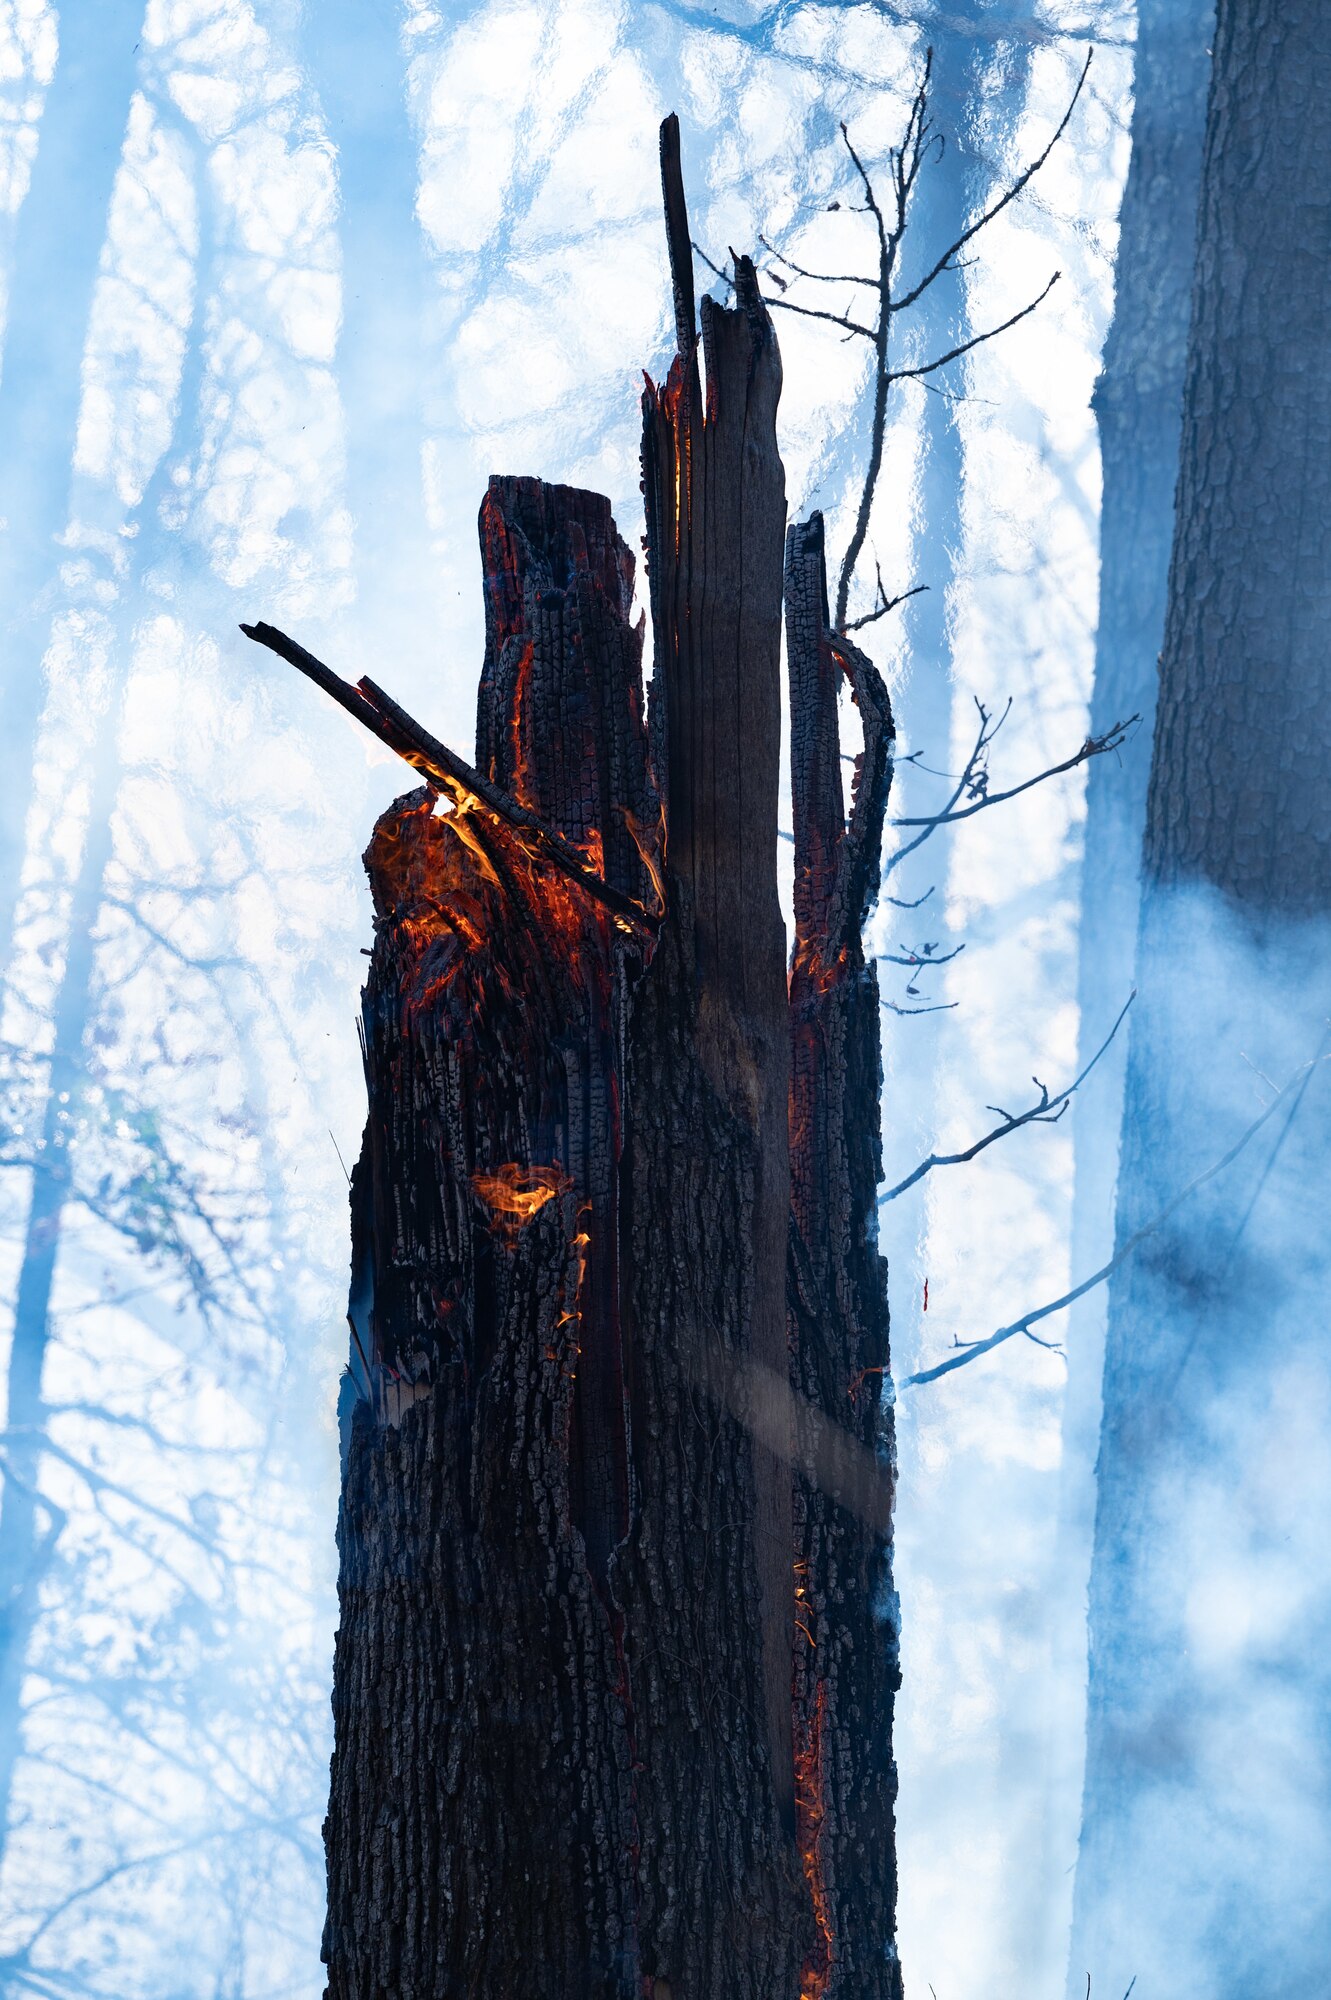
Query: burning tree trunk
x=612, y=1698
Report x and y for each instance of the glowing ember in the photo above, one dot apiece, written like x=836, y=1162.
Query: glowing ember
x=811, y=969
x=810, y=1812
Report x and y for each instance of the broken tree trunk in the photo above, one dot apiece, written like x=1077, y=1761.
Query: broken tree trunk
x=612, y=1686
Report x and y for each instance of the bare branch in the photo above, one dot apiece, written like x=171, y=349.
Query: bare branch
x=897, y=903
x=904, y=165
x=971, y=1350
x=973, y=782
x=939, y=1007
x=870, y=197
x=914, y=758
x=978, y=340
x=810, y=312
x=884, y=603
x=1094, y=746
x=817, y=277
x=1010, y=194
x=889, y=242
x=1046, y=1110
x=716, y=270
x=918, y=960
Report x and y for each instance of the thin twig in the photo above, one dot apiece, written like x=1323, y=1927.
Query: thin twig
x=939, y=1007
x=991, y=333
x=973, y=782
x=1094, y=746
x=1009, y=195
x=921, y=960
x=971, y=1350
x=1046, y=1110
x=810, y=312
x=884, y=603
x=818, y=277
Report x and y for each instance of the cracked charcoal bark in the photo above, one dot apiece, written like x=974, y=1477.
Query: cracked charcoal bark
x=571, y=1700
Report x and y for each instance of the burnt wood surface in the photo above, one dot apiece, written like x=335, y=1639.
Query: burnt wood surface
x=613, y=1677
x=846, y=1669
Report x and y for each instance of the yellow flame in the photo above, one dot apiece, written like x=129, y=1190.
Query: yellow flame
x=515, y=1193
x=647, y=858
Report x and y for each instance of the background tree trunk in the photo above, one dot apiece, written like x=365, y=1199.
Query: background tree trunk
x=61, y=230
x=29, y=1523
x=359, y=69
x=1139, y=409
x=1211, y=1591
x=581, y=1746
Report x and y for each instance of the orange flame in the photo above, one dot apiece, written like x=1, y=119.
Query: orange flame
x=514, y=1193
x=647, y=857
x=820, y=973
x=441, y=868
x=810, y=1812
x=519, y=785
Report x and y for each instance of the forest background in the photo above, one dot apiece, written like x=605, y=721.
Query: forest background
x=282, y=285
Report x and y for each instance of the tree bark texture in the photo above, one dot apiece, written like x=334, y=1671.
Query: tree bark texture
x=846, y=1668
x=1139, y=410
x=1210, y=1599
x=612, y=1687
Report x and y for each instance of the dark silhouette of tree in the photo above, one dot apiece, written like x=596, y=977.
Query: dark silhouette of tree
x=1210, y=1597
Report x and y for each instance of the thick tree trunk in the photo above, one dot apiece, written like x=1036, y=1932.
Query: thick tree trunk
x=612, y=1701
x=1211, y=1590
x=1139, y=409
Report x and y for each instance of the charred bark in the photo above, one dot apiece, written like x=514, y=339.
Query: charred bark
x=845, y=1640
x=612, y=1690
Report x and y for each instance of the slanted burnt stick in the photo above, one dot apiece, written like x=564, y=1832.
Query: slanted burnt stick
x=443, y=768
